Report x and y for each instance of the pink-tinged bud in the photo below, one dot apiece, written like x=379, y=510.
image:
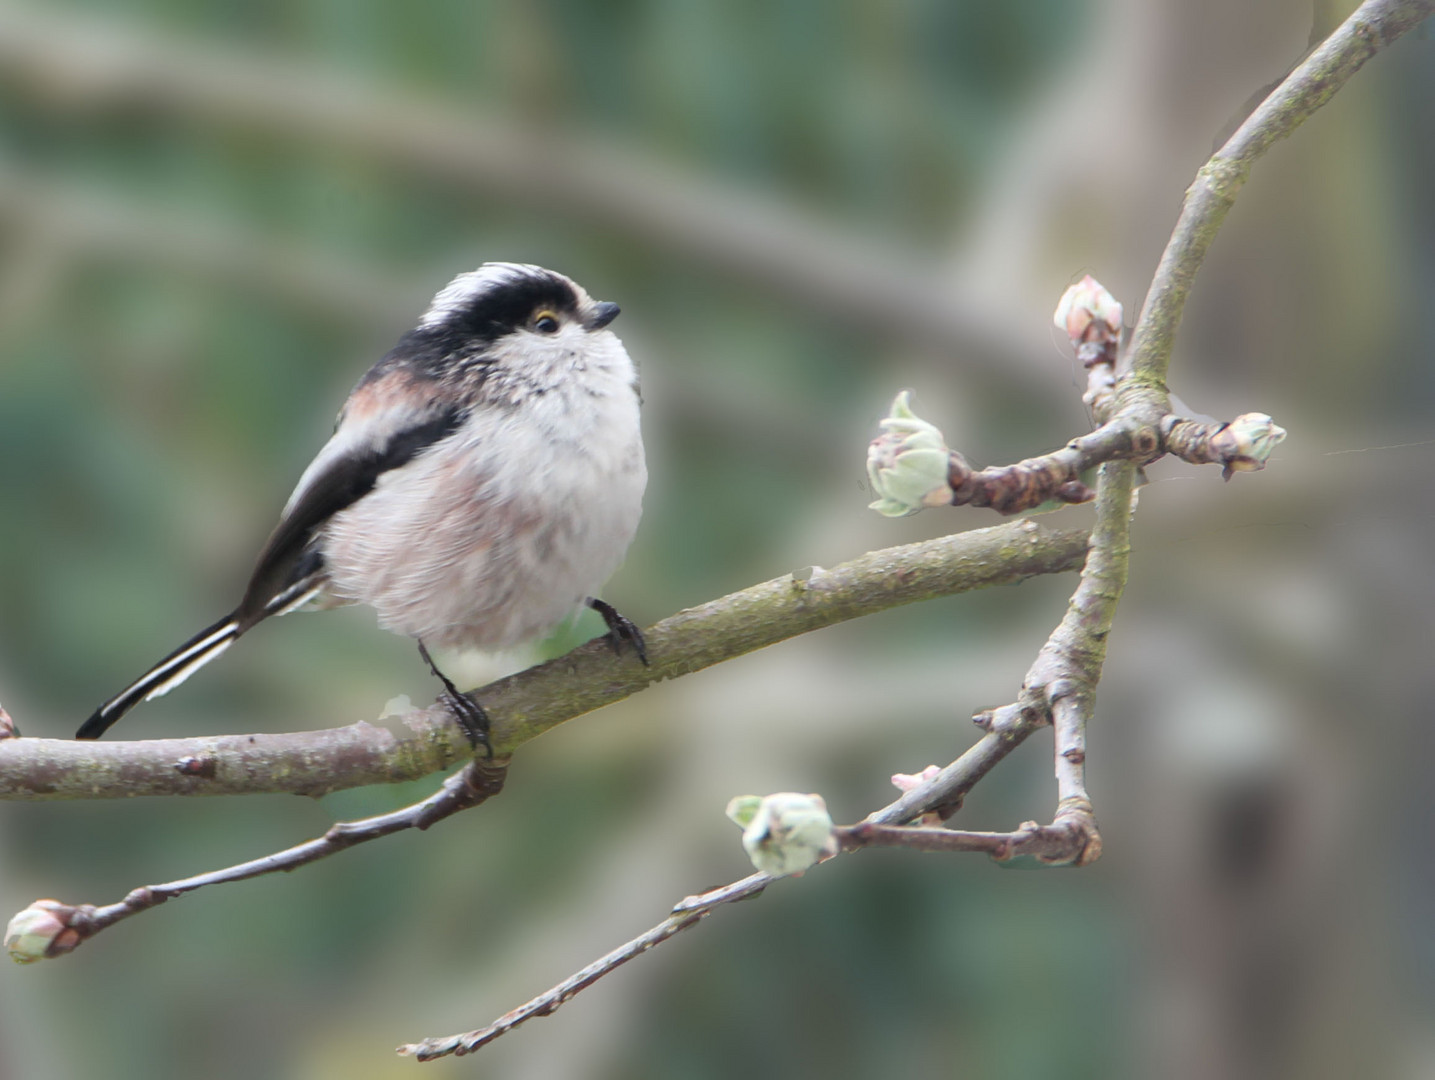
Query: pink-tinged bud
x=8, y=730
x=905, y=782
x=1245, y=444
x=1091, y=317
x=784, y=833
x=909, y=463
x=908, y=781
x=41, y=932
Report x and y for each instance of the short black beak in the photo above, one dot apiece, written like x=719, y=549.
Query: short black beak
x=603, y=314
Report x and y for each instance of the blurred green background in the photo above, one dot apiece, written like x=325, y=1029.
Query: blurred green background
x=215, y=215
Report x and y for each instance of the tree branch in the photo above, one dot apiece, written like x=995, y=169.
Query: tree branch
x=525, y=705
x=1370, y=28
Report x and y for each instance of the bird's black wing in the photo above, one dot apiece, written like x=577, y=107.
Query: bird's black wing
x=289, y=569
x=287, y=560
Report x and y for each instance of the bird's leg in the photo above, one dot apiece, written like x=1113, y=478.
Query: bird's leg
x=469, y=713
x=621, y=629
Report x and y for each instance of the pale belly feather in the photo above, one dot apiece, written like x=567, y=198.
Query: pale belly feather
x=488, y=541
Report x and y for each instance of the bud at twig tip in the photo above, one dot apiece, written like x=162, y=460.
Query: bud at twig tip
x=909, y=463
x=1246, y=443
x=1091, y=317
x=784, y=833
x=41, y=932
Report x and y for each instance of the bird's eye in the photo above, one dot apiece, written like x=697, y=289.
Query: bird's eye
x=545, y=322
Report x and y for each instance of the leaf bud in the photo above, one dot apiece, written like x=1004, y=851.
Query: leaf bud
x=1091, y=317
x=909, y=463
x=784, y=833
x=1245, y=444
x=41, y=932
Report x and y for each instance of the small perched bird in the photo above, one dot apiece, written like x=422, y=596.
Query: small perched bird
x=484, y=479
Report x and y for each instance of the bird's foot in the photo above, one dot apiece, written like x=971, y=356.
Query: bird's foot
x=471, y=716
x=621, y=629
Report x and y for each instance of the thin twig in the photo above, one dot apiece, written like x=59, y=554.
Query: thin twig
x=1011, y=489
x=1059, y=844
x=475, y=783
x=1242, y=444
x=1068, y=721
x=1006, y=728
x=1371, y=27
x=688, y=914
x=1025, y=485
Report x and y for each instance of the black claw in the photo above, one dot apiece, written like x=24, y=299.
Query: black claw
x=471, y=716
x=621, y=629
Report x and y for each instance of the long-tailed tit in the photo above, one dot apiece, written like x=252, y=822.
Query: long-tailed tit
x=484, y=480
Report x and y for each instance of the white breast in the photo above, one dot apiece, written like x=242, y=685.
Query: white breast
x=501, y=531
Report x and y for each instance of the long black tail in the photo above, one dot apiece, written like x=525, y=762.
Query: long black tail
x=194, y=654
x=164, y=676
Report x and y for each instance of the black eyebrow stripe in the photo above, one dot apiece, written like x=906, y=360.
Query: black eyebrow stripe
x=284, y=558
x=504, y=307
